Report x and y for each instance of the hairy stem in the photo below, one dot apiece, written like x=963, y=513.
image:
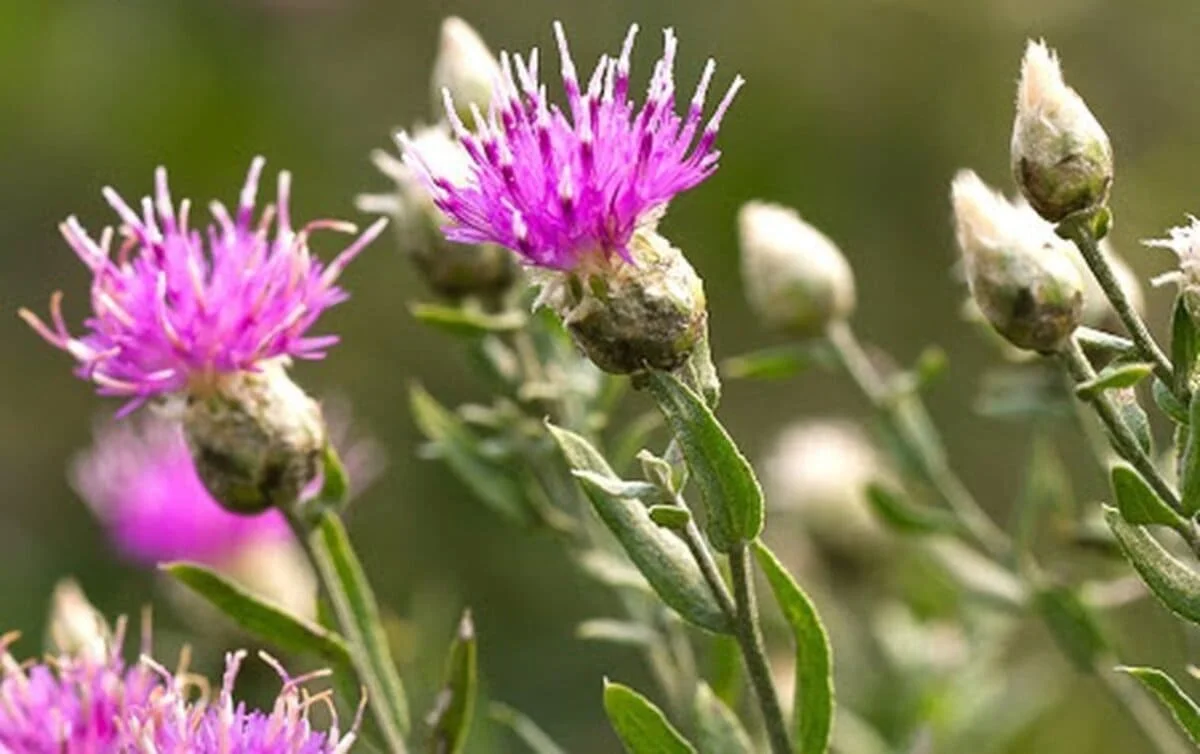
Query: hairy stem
x=979, y=527
x=1080, y=232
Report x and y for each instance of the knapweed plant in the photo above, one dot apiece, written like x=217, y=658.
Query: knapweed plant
x=539, y=220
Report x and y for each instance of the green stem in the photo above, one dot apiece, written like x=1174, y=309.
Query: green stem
x=979, y=527
x=749, y=637
x=1080, y=232
x=343, y=580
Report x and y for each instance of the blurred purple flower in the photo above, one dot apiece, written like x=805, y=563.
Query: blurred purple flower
x=70, y=704
x=175, y=307
x=557, y=188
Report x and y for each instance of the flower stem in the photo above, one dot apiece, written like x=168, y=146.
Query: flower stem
x=979, y=527
x=1080, y=232
x=749, y=637
x=344, y=582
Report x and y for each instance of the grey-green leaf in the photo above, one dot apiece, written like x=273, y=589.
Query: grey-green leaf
x=1125, y=400
x=1176, y=585
x=1137, y=502
x=718, y=731
x=261, y=618
x=460, y=449
x=1072, y=625
x=467, y=323
x=524, y=728
x=901, y=515
x=1120, y=375
x=1189, y=466
x=813, y=706
x=1170, y=405
x=732, y=497
x=1182, y=708
x=611, y=485
x=454, y=709
x=660, y=555
x=641, y=726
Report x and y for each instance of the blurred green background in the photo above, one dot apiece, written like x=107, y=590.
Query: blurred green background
x=857, y=112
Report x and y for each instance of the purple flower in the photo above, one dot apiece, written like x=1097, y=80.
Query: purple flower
x=72, y=704
x=176, y=723
x=173, y=307
x=557, y=186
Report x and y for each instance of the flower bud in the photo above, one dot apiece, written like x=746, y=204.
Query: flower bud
x=1022, y=280
x=76, y=628
x=256, y=438
x=1061, y=157
x=629, y=316
x=818, y=473
x=795, y=277
x=452, y=270
x=465, y=67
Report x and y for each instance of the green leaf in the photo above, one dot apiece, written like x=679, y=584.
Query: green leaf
x=335, y=484
x=732, y=497
x=460, y=449
x=725, y=670
x=1072, y=625
x=1126, y=402
x=450, y=720
x=901, y=515
x=1182, y=708
x=718, y=730
x=618, y=632
x=1119, y=375
x=778, y=363
x=1138, y=503
x=1101, y=343
x=1185, y=347
x=813, y=707
x=1169, y=404
x=1047, y=488
x=618, y=487
x=261, y=618
x=641, y=726
x=1189, y=465
x=670, y=516
x=660, y=555
x=524, y=728
x=1176, y=585
x=467, y=323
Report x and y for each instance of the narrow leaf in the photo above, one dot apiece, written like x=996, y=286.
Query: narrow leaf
x=616, y=487
x=813, y=706
x=1180, y=705
x=1126, y=402
x=1185, y=347
x=524, y=728
x=460, y=449
x=903, y=516
x=1138, y=503
x=660, y=555
x=718, y=730
x=1072, y=625
x=1114, y=376
x=1166, y=401
x=467, y=323
x=670, y=516
x=450, y=720
x=732, y=497
x=1176, y=585
x=618, y=632
x=261, y=618
x=1189, y=465
x=641, y=726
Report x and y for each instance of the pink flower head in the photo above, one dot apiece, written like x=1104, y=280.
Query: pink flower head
x=70, y=704
x=558, y=186
x=175, y=723
x=174, y=306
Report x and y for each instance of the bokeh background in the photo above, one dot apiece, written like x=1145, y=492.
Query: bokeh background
x=856, y=111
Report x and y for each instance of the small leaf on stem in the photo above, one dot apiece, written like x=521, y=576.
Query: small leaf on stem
x=1137, y=502
x=450, y=719
x=1175, y=584
x=641, y=726
x=1180, y=705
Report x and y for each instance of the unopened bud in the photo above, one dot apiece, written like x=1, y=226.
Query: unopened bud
x=1061, y=157
x=256, y=438
x=464, y=67
x=1022, y=280
x=630, y=316
x=76, y=628
x=796, y=279
x=452, y=270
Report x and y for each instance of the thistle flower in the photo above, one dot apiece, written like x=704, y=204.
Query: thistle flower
x=1184, y=241
x=1061, y=156
x=72, y=703
x=175, y=722
x=1027, y=287
x=565, y=189
x=795, y=277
